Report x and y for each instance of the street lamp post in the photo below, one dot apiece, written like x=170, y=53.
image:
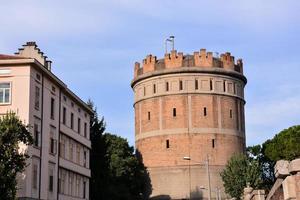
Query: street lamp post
x=207, y=171
x=208, y=176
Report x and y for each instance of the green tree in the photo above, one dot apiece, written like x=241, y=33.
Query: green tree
x=12, y=160
x=97, y=162
x=127, y=179
x=256, y=153
x=116, y=172
x=238, y=172
x=285, y=145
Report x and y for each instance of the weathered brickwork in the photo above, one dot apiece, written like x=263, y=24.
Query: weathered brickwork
x=188, y=106
x=155, y=153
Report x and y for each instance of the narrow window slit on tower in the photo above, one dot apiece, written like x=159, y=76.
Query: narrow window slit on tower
x=224, y=86
x=180, y=85
x=154, y=88
x=144, y=91
x=174, y=112
x=213, y=143
x=211, y=84
x=230, y=113
x=196, y=84
x=167, y=86
x=149, y=116
x=204, y=111
x=167, y=144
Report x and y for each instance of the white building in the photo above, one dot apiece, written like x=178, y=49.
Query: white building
x=58, y=167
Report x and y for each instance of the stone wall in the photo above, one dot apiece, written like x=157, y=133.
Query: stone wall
x=287, y=185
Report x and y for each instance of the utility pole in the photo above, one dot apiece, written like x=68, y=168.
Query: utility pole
x=208, y=176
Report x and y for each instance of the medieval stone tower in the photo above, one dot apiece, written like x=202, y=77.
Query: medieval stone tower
x=188, y=108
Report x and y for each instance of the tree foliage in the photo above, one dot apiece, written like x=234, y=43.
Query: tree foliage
x=117, y=173
x=97, y=162
x=238, y=172
x=285, y=145
x=256, y=153
x=12, y=160
x=127, y=176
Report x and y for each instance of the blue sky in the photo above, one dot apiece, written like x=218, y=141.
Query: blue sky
x=94, y=43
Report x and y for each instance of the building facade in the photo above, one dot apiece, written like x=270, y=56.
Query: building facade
x=58, y=167
x=189, y=120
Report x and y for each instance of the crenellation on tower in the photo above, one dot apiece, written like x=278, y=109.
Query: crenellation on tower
x=227, y=61
x=200, y=59
x=173, y=59
x=137, y=69
x=149, y=63
x=239, y=66
x=203, y=58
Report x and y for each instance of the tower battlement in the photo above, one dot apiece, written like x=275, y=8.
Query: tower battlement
x=201, y=59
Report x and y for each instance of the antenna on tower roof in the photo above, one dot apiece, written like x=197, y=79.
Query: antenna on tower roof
x=171, y=40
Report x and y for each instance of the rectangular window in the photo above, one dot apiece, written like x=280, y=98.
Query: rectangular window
x=196, y=85
x=71, y=181
x=71, y=151
x=234, y=92
x=79, y=125
x=62, y=147
x=224, y=86
x=167, y=144
x=204, y=111
x=38, y=77
x=84, y=158
x=211, y=84
x=4, y=93
x=167, y=86
x=61, y=181
x=51, y=183
x=78, y=154
x=78, y=179
x=84, y=189
x=36, y=98
x=36, y=135
x=180, y=85
x=213, y=143
x=52, y=145
x=72, y=120
x=144, y=91
x=230, y=113
x=149, y=115
x=34, y=176
x=154, y=88
x=85, y=129
x=52, y=108
x=64, y=116
x=174, y=112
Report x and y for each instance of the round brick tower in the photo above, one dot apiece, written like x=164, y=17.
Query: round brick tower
x=188, y=108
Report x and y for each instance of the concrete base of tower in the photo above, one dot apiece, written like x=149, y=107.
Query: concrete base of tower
x=186, y=182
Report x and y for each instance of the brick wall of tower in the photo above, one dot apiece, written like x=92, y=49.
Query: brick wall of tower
x=194, y=138
x=207, y=95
